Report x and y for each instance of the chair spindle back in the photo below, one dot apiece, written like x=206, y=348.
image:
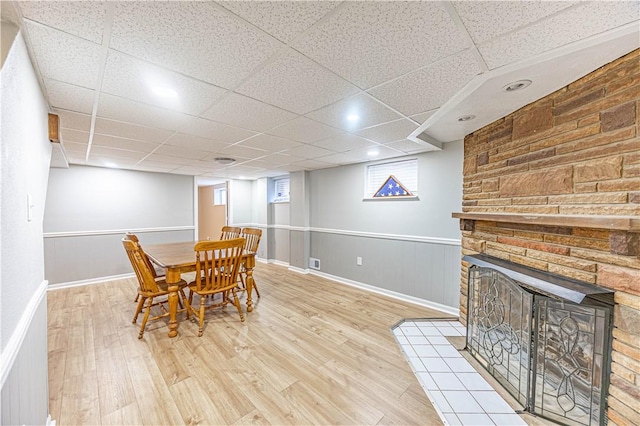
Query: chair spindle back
x=217, y=264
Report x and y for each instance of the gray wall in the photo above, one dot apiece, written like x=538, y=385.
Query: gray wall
x=410, y=247
x=25, y=154
x=337, y=198
x=90, y=208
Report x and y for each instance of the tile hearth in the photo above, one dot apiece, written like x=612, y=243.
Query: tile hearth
x=460, y=395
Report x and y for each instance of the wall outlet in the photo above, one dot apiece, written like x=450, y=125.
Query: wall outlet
x=359, y=261
x=314, y=263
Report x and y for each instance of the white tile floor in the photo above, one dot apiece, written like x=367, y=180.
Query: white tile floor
x=458, y=392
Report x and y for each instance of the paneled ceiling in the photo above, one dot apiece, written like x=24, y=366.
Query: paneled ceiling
x=283, y=86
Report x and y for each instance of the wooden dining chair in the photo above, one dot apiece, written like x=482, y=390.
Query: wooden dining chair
x=217, y=266
x=133, y=237
x=230, y=232
x=252, y=235
x=150, y=288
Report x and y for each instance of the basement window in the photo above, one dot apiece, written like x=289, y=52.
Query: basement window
x=281, y=190
x=220, y=196
x=402, y=175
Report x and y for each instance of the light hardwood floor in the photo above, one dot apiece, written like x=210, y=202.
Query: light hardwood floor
x=312, y=352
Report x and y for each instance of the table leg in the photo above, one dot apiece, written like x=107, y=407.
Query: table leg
x=172, y=280
x=249, y=263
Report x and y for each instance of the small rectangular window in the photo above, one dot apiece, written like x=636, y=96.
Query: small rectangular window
x=219, y=196
x=404, y=173
x=281, y=190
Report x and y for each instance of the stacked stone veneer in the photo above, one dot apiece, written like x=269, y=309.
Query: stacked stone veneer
x=574, y=152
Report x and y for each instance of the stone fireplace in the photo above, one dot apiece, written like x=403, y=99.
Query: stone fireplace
x=555, y=186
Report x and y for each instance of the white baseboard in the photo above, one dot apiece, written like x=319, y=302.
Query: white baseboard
x=10, y=352
x=278, y=262
x=399, y=296
x=298, y=270
x=89, y=281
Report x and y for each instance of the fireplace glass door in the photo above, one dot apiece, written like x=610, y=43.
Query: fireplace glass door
x=551, y=355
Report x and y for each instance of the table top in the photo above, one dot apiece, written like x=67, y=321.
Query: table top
x=176, y=255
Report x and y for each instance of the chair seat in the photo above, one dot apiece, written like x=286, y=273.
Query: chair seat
x=163, y=286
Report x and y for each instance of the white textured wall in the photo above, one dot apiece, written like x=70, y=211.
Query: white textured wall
x=25, y=152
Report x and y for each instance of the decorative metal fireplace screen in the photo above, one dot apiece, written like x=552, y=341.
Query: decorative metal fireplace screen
x=545, y=338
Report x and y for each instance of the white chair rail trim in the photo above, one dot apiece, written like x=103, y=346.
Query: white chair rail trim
x=399, y=237
x=117, y=231
x=12, y=349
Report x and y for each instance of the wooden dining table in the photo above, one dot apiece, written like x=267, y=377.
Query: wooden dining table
x=179, y=258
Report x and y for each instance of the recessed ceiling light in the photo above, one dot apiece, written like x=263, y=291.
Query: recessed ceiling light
x=164, y=92
x=353, y=117
x=224, y=160
x=373, y=152
x=466, y=117
x=516, y=85
x=111, y=165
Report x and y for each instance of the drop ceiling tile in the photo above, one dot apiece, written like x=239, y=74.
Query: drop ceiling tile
x=126, y=110
x=304, y=130
x=247, y=113
x=75, y=158
x=282, y=19
x=111, y=161
x=408, y=146
x=193, y=154
x=75, y=148
x=558, y=30
x=157, y=164
x=168, y=160
x=423, y=116
x=269, y=143
x=71, y=135
x=485, y=20
x=362, y=154
x=280, y=158
x=134, y=79
x=429, y=87
x=344, y=142
x=123, y=143
x=64, y=57
x=198, y=168
x=295, y=83
x=338, y=159
x=368, y=43
x=389, y=132
x=200, y=39
x=182, y=140
x=264, y=164
x=312, y=164
x=144, y=167
x=242, y=152
x=308, y=152
x=242, y=169
x=69, y=97
x=81, y=18
x=217, y=131
x=74, y=120
x=131, y=131
x=104, y=151
x=369, y=111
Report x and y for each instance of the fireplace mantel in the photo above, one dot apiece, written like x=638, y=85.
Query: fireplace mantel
x=618, y=223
